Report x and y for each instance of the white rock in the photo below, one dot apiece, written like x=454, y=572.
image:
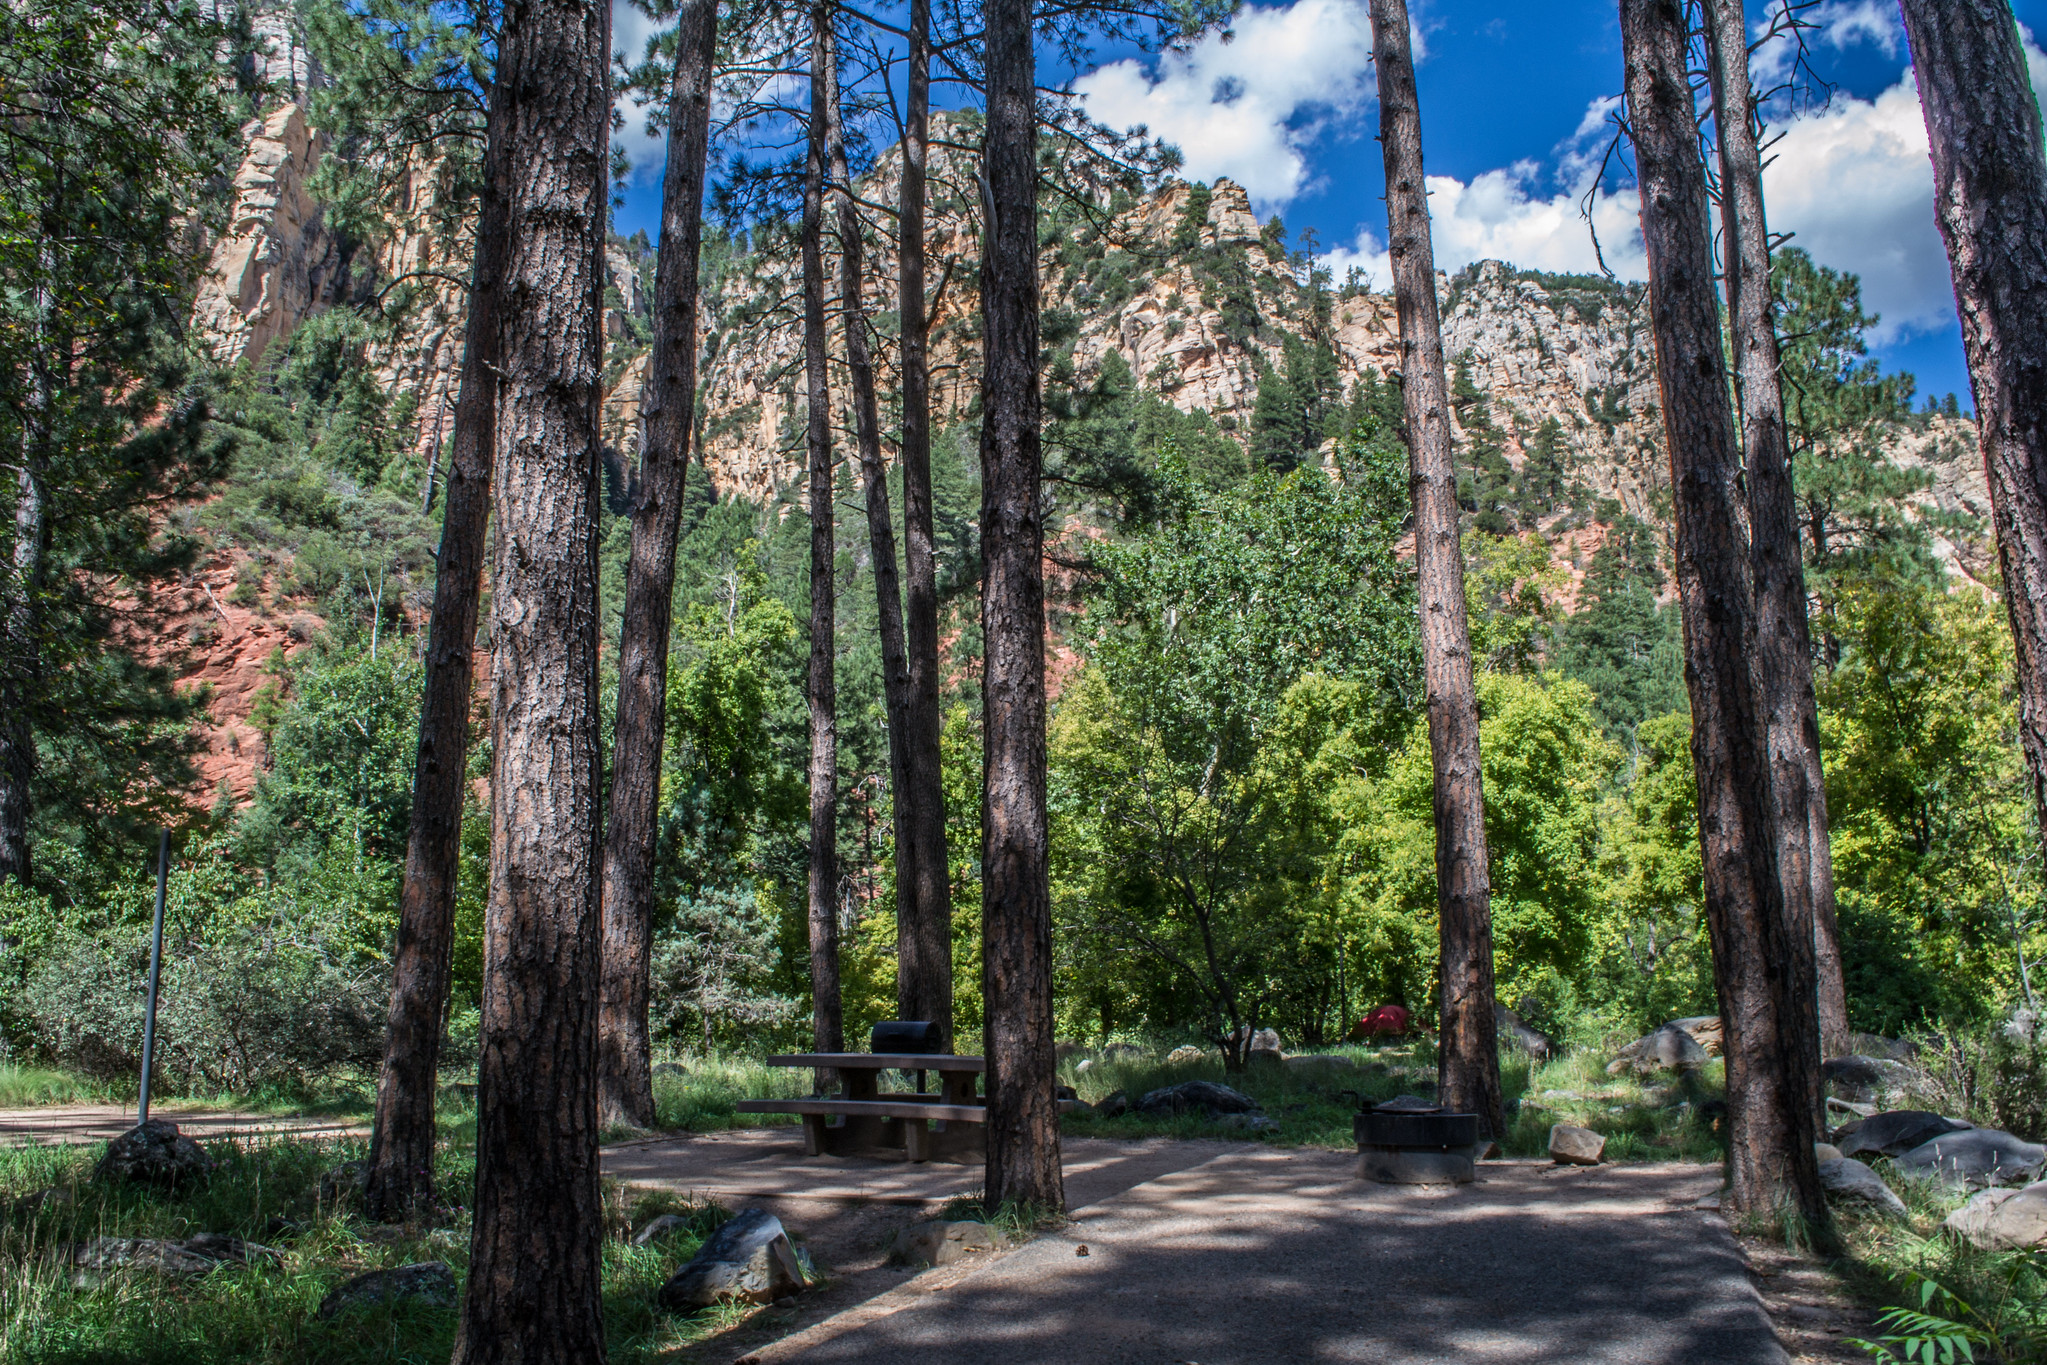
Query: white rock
x=1570, y=1145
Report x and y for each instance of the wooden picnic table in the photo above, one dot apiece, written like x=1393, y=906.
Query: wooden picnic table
x=946, y=1125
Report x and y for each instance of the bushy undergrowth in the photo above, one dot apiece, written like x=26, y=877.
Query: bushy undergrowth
x=1994, y=1300
x=270, y=1194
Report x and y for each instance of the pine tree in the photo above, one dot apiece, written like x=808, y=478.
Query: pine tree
x=1468, y=1065
x=1762, y=959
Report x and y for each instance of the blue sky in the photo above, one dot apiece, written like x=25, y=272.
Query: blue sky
x=1511, y=126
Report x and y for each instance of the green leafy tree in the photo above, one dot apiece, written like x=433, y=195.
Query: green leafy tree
x=1169, y=820
x=1545, y=766
x=1934, y=852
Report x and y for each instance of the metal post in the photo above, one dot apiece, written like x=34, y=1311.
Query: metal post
x=163, y=873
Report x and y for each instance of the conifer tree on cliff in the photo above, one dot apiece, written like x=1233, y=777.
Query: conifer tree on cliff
x=401, y=1162
x=1762, y=956
x=1016, y=911
x=625, y=1086
x=1784, y=643
x=826, y=1020
x=1990, y=199
x=535, y=1269
x=1469, y=1058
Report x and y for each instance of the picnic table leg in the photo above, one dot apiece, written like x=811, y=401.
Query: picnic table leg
x=814, y=1134
x=917, y=1139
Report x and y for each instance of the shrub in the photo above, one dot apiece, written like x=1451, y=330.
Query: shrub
x=244, y=1011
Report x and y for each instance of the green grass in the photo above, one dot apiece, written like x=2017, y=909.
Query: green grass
x=25, y=1087
x=702, y=1096
x=1886, y=1262
x=1656, y=1120
x=251, y=1314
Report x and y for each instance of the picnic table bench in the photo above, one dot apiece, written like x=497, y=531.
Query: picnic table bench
x=863, y=1119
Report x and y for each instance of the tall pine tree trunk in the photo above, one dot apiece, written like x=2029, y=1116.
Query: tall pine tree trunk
x=1016, y=907
x=923, y=942
x=535, y=1269
x=401, y=1165
x=1762, y=959
x=1469, y=1056
x=625, y=1081
x=1990, y=197
x=1798, y=781
x=827, y=1020
x=881, y=535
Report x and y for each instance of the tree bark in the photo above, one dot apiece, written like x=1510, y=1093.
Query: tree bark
x=401, y=1163
x=1798, y=780
x=1016, y=914
x=923, y=944
x=881, y=535
x=1468, y=1052
x=625, y=1081
x=535, y=1285
x=827, y=1020
x=1990, y=198
x=1762, y=960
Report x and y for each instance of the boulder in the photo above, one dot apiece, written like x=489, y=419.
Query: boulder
x=1703, y=1029
x=153, y=1153
x=1196, y=1097
x=1519, y=1036
x=1826, y=1151
x=1408, y=1104
x=670, y=1069
x=750, y=1258
x=1851, y=1182
x=1570, y=1145
x=1082, y=1065
x=2003, y=1220
x=1114, y=1105
x=1180, y=1056
x=1976, y=1157
x=939, y=1242
x=1130, y=1052
x=1061, y=1051
x=429, y=1282
x=660, y=1227
x=1670, y=1047
x=1313, y=1061
x=1894, y=1133
x=192, y=1257
x=1860, y=1077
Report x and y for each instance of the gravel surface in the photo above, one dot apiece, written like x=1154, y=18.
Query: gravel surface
x=1259, y=1255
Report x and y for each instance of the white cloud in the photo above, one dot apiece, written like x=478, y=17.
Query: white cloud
x=1249, y=107
x=630, y=29
x=1838, y=24
x=1500, y=216
x=1854, y=183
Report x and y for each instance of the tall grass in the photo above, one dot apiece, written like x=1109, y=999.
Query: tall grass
x=269, y=1193
x=700, y=1094
x=24, y=1087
